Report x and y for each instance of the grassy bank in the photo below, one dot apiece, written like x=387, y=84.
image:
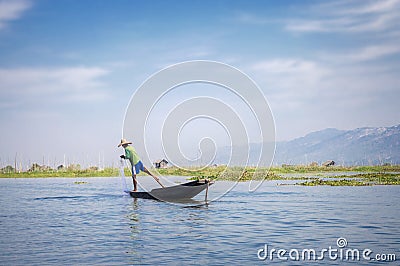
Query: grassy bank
x=369, y=175
x=69, y=173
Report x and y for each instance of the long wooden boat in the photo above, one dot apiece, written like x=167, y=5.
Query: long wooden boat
x=174, y=193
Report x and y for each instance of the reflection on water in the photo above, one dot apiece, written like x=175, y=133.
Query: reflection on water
x=55, y=222
x=133, y=216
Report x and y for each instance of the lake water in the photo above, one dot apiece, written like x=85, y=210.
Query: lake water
x=53, y=221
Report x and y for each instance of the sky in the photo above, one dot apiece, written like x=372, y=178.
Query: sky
x=69, y=68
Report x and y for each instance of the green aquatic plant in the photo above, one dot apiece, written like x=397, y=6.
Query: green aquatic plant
x=342, y=182
x=80, y=182
x=362, y=179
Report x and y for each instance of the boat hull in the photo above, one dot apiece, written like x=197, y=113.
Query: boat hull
x=178, y=192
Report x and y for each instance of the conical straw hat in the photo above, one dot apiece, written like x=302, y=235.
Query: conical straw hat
x=123, y=142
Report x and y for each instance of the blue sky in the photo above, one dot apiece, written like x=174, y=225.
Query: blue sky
x=69, y=68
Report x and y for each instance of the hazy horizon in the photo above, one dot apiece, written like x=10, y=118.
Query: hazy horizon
x=100, y=161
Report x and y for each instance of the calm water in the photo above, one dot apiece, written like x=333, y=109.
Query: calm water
x=53, y=221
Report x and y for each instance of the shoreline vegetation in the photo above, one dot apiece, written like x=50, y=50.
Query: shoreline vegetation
x=307, y=175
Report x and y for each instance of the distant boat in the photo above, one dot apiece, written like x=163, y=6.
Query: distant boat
x=175, y=193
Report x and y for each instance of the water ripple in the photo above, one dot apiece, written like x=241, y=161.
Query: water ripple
x=97, y=224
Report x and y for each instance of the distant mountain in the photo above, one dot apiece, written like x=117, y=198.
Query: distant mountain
x=346, y=147
x=361, y=146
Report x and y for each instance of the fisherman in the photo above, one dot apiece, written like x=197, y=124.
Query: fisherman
x=136, y=164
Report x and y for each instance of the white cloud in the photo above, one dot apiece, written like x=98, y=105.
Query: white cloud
x=349, y=16
x=63, y=84
x=368, y=7
x=342, y=16
x=376, y=51
x=299, y=83
x=12, y=10
x=285, y=66
x=362, y=54
x=328, y=93
x=288, y=74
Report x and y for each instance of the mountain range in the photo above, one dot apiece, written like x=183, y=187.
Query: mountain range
x=361, y=146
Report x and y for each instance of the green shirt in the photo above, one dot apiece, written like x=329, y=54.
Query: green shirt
x=131, y=154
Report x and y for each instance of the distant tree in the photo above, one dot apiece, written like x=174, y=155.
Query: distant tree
x=39, y=168
x=7, y=169
x=74, y=167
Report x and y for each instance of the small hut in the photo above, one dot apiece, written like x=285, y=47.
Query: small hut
x=160, y=163
x=328, y=163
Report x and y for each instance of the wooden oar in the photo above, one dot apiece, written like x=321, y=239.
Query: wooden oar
x=158, y=181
